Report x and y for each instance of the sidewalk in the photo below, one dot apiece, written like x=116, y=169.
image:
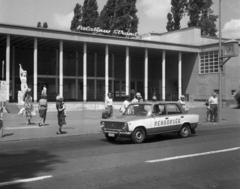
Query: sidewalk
x=84, y=122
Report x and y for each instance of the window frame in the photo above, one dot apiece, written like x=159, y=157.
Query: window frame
x=208, y=62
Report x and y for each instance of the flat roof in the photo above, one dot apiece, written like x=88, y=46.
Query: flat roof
x=49, y=39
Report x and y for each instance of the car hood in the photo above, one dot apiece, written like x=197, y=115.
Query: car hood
x=124, y=118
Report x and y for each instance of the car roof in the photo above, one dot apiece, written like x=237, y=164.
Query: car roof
x=158, y=102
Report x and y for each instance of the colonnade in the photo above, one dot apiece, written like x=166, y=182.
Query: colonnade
x=59, y=66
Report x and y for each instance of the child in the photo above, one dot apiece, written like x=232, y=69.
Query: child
x=65, y=112
x=208, y=110
x=22, y=111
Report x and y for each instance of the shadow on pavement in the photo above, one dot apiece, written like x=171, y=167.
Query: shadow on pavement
x=24, y=165
x=8, y=134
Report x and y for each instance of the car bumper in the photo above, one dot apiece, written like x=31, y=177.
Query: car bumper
x=118, y=133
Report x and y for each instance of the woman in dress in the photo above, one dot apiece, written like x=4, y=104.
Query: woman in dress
x=61, y=113
x=28, y=107
x=42, y=107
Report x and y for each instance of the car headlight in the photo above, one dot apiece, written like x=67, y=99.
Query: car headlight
x=102, y=125
x=125, y=127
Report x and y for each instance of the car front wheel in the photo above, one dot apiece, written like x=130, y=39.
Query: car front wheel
x=110, y=138
x=185, y=131
x=138, y=135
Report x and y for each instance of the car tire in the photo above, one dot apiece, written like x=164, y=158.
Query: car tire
x=138, y=136
x=184, y=132
x=112, y=139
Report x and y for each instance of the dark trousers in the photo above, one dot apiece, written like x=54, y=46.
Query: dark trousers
x=110, y=111
x=214, y=112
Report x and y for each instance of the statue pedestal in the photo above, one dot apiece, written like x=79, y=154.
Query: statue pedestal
x=20, y=98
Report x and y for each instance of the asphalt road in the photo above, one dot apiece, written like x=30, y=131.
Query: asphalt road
x=90, y=161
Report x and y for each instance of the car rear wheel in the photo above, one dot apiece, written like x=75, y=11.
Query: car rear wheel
x=110, y=138
x=138, y=135
x=185, y=131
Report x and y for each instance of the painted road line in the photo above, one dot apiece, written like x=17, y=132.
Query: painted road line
x=14, y=128
x=25, y=180
x=192, y=155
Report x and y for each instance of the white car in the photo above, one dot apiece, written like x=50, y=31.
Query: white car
x=149, y=118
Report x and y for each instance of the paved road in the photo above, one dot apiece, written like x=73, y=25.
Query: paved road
x=90, y=161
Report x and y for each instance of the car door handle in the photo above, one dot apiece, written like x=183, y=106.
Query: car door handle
x=166, y=118
x=182, y=116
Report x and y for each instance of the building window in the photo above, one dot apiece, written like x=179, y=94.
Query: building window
x=208, y=62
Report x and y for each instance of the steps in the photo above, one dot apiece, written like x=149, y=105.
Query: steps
x=98, y=106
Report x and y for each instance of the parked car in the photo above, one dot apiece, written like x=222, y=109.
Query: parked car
x=144, y=119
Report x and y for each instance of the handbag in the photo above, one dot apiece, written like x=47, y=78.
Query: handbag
x=33, y=113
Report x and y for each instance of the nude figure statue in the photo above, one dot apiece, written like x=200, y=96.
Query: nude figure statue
x=23, y=78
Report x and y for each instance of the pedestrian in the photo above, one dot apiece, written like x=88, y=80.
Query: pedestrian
x=109, y=104
x=44, y=91
x=154, y=97
x=208, y=110
x=236, y=96
x=183, y=103
x=61, y=115
x=132, y=94
x=213, y=101
x=42, y=108
x=28, y=106
x=125, y=104
x=138, y=98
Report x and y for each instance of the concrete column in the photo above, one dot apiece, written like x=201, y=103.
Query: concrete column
x=76, y=82
x=95, y=76
x=163, y=75
x=113, y=73
x=146, y=75
x=179, y=74
x=127, y=71
x=35, y=70
x=13, y=73
x=57, y=71
x=7, y=67
x=130, y=75
x=106, y=70
x=84, y=72
x=61, y=68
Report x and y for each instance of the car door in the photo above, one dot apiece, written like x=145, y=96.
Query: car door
x=159, y=119
x=174, y=116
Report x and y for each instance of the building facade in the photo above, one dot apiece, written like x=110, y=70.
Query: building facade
x=84, y=67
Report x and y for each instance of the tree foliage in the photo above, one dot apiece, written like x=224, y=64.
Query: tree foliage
x=105, y=19
x=177, y=12
x=77, y=17
x=45, y=25
x=125, y=17
x=89, y=13
x=39, y=25
x=201, y=14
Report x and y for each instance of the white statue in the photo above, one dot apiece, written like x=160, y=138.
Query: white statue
x=24, y=86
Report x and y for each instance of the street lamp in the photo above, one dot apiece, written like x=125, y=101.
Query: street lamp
x=230, y=49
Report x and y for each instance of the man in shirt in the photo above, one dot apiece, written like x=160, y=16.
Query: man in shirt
x=109, y=104
x=213, y=101
x=138, y=98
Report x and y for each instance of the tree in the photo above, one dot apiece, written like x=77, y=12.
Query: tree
x=177, y=12
x=170, y=22
x=201, y=15
x=125, y=17
x=89, y=13
x=39, y=25
x=77, y=18
x=105, y=19
x=45, y=25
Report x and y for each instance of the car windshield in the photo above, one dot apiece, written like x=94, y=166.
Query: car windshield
x=139, y=109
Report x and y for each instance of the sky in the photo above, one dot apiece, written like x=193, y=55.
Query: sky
x=152, y=14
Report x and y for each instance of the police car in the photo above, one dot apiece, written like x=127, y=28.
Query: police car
x=144, y=119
